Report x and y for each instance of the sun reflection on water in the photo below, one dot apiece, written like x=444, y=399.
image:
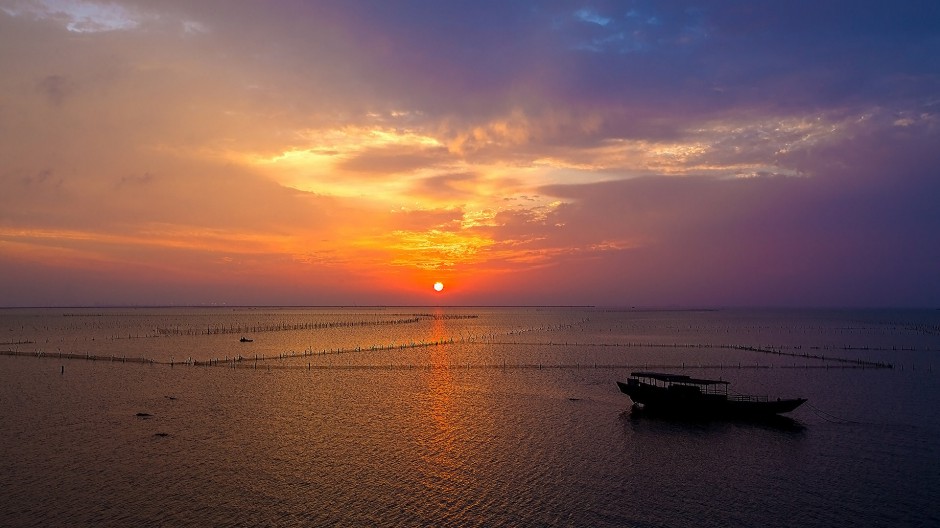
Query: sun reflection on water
x=442, y=457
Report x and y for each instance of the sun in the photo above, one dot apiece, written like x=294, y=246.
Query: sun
x=438, y=286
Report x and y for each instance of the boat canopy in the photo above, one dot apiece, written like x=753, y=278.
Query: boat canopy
x=677, y=378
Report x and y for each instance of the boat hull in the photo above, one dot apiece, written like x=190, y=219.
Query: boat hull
x=701, y=405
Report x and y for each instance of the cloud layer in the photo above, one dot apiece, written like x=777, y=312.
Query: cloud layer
x=523, y=153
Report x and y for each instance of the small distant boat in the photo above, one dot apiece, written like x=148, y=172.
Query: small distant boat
x=246, y=340
x=677, y=394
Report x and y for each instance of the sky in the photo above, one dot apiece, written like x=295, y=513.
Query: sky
x=628, y=153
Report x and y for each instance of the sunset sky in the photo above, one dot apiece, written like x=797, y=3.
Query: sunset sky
x=630, y=153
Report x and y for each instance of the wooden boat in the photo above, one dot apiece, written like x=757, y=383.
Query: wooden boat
x=678, y=394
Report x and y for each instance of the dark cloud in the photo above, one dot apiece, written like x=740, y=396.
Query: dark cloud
x=393, y=160
x=43, y=179
x=136, y=179
x=453, y=186
x=56, y=88
x=860, y=232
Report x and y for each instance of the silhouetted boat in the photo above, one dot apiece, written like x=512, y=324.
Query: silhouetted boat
x=246, y=340
x=677, y=394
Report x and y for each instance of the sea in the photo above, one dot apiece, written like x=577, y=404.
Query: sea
x=461, y=416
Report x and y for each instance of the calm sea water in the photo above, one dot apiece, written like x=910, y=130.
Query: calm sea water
x=460, y=417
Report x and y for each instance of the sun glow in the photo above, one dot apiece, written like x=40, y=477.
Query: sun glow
x=438, y=286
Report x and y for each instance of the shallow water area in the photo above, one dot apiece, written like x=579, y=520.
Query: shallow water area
x=461, y=416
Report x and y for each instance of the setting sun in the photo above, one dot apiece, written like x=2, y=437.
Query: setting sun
x=438, y=286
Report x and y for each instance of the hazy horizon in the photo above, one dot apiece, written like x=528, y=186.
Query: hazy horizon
x=601, y=307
